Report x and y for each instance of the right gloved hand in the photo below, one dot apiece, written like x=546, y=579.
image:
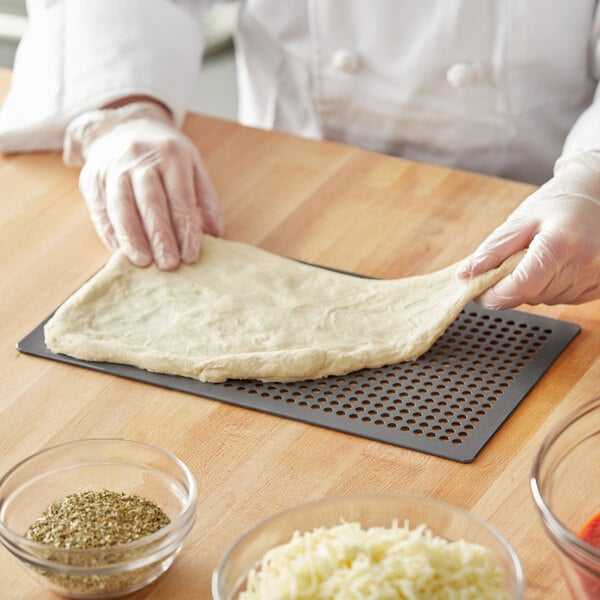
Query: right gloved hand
x=144, y=183
x=559, y=225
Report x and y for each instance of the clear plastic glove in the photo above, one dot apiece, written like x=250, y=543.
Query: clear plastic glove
x=560, y=225
x=144, y=183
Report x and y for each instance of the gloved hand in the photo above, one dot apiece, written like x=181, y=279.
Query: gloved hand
x=144, y=183
x=560, y=224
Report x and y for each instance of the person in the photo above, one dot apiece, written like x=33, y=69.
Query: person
x=500, y=88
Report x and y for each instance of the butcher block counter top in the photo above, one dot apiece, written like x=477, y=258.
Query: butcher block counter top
x=320, y=202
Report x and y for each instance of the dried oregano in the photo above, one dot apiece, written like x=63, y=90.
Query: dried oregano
x=101, y=521
x=96, y=520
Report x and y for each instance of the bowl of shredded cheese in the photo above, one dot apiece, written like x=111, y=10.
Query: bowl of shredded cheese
x=370, y=546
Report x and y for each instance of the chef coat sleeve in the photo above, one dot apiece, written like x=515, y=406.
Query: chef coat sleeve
x=585, y=133
x=78, y=55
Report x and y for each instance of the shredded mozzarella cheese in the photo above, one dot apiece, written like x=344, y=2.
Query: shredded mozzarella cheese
x=347, y=562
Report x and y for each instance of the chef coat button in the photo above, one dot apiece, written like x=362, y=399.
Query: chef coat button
x=345, y=60
x=462, y=73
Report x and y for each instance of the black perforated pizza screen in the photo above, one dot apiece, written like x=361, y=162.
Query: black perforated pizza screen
x=448, y=403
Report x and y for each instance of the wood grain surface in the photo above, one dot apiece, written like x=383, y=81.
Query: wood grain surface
x=320, y=202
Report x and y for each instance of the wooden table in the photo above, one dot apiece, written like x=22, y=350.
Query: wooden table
x=316, y=201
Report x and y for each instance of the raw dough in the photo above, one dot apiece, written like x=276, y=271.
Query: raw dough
x=243, y=313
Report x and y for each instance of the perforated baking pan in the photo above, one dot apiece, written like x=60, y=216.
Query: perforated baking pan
x=448, y=403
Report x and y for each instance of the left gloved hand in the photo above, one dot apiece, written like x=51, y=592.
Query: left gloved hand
x=560, y=225
x=144, y=182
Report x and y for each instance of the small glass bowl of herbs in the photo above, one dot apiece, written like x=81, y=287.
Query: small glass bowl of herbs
x=97, y=518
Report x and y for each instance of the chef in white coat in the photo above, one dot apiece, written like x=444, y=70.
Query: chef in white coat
x=500, y=87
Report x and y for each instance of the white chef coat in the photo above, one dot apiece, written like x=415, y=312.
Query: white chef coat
x=496, y=86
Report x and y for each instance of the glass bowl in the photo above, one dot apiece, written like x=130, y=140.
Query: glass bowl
x=565, y=483
x=376, y=510
x=31, y=486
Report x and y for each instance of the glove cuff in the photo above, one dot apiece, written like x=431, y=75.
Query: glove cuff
x=89, y=126
x=580, y=156
x=577, y=174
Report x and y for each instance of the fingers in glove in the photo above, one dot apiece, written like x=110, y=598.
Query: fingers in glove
x=178, y=181
x=513, y=235
x=213, y=221
x=543, y=275
x=525, y=284
x=155, y=217
x=123, y=213
x=92, y=189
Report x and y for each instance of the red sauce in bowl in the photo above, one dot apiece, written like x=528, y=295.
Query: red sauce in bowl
x=590, y=533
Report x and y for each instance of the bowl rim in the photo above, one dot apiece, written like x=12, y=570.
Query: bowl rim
x=176, y=530
x=548, y=519
x=506, y=545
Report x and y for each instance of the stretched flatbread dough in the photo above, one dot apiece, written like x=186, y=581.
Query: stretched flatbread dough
x=244, y=313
